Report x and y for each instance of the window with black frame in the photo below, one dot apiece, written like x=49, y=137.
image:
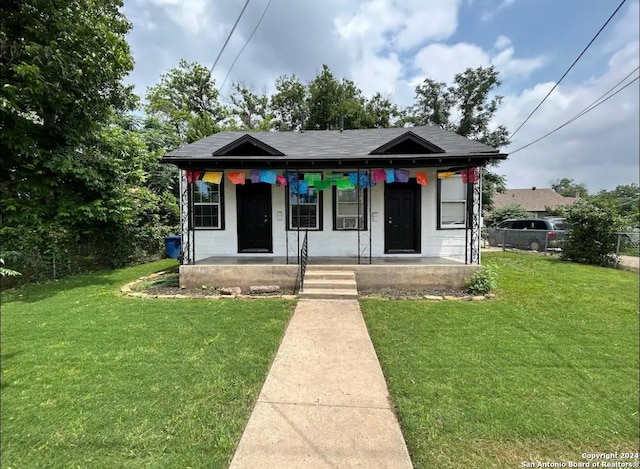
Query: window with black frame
x=305, y=210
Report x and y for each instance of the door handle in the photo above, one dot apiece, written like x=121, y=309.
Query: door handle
x=390, y=221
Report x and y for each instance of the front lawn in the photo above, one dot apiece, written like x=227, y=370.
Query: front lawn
x=94, y=379
x=546, y=371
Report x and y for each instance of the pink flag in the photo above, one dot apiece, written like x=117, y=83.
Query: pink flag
x=192, y=176
x=281, y=180
x=378, y=175
x=469, y=175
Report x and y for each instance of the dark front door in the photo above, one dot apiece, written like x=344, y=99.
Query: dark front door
x=402, y=218
x=254, y=217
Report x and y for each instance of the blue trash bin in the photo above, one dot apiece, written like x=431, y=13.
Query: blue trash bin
x=173, y=246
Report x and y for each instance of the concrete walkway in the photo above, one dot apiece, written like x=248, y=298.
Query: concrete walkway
x=325, y=402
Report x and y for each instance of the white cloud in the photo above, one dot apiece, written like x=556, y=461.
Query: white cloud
x=600, y=147
x=488, y=15
x=375, y=73
x=192, y=16
x=392, y=45
x=441, y=61
x=502, y=42
x=396, y=23
x=512, y=67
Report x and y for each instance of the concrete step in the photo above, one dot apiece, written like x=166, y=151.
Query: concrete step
x=314, y=282
x=329, y=275
x=331, y=268
x=328, y=294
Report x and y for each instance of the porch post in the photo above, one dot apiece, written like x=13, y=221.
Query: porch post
x=476, y=214
x=370, y=225
x=358, y=188
x=298, y=203
x=185, y=219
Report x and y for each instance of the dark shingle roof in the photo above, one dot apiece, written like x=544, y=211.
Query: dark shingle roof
x=532, y=200
x=327, y=147
x=316, y=143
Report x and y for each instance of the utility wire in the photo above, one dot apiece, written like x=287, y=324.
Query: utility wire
x=589, y=108
x=245, y=45
x=229, y=36
x=569, y=69
x=596, y=102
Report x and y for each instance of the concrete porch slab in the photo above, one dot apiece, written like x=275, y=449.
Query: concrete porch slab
x=407, y=275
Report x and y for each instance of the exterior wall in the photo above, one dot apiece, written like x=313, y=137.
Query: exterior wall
x=327, y=242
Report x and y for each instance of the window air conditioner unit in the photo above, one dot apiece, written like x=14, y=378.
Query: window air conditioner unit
x=349, y=223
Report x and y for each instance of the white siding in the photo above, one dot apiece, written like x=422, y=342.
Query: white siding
x=434, y=242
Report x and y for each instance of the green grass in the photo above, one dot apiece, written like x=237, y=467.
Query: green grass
x=94, y=379
x=545, y=372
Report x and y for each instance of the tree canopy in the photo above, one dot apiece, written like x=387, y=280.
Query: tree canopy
x=567, y=187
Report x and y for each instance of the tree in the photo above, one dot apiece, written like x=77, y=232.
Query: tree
x=625, y=199
x=252, y=110
x=322, y=101
x=382, y=111
x=289, y=102
x=592, y=237
x=470, y=96
x=333, y=105
x=61, y=69
x=433, y=105
x=199, y=127
x=506, y=213
x=569, y=188
x=183, y=94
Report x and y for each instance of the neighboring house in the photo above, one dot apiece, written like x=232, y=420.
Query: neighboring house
x=279, y=189
x=535, y=201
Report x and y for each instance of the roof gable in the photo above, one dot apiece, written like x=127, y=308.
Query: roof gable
x=247, y=146
x=407, y=144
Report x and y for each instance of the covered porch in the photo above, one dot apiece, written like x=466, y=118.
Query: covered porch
x=408, y=273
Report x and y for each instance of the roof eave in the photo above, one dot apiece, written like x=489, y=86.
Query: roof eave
x=440, y=160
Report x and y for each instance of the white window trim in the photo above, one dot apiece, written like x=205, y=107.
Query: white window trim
x=452, y=226
x=341, y=221
x=218, y=206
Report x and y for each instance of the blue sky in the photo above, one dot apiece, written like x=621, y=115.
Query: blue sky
x=392, y=45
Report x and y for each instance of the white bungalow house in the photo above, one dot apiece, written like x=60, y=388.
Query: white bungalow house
x=402, y=205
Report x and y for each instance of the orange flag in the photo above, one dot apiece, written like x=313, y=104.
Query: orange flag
x=421, y=177
x=236, y=177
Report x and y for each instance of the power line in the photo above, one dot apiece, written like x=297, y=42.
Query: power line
x=589, y=108
x=596, y=102
x=569, y=69
x=245, y=45
x=229, y=36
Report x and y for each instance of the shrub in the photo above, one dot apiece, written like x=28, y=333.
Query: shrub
x=483, y=281
x=506, y=213
x=592, y=238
